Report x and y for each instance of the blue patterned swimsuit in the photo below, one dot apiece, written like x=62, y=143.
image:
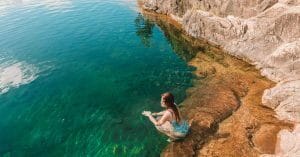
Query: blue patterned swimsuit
x=182, y=128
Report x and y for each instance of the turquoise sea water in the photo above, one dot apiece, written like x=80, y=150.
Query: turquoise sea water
x=76, y=75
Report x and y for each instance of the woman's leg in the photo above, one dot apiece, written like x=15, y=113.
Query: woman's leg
x=165, y=128
x=178, y=135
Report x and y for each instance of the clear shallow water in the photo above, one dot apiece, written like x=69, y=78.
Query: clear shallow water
x=76, y=75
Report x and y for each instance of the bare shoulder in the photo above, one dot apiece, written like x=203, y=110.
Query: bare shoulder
x=168, y=114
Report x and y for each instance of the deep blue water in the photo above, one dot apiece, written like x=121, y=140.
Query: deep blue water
x=76, y=75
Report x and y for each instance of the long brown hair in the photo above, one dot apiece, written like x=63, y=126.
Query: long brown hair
x=168, y=98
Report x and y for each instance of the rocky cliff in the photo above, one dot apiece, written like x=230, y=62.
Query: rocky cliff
x=265, y=33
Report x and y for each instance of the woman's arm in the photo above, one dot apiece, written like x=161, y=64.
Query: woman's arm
x=158, y=113
x=161, y=121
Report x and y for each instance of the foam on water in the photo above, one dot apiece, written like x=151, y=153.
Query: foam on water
x=14, y=74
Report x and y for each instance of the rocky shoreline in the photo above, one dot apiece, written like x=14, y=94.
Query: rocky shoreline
x=264, y=33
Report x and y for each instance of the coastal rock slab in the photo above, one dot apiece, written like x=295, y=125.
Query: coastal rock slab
x=265, y=33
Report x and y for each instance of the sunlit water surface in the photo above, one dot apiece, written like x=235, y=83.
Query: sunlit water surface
x=76, y=75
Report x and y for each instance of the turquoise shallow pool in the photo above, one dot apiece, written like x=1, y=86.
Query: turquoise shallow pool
x=76, y=75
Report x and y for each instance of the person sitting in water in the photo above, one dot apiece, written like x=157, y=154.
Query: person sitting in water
x=169, y=121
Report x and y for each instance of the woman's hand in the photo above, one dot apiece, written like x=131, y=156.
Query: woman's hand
x=146, y=113
x=162, y=120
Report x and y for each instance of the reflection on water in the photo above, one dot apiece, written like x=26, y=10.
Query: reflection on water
x=7, y=5
x=14, y=74
x=184, y=46
x=144, y=29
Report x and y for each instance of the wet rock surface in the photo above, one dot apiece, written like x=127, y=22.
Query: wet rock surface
x=264, y=33
x=228, y=118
